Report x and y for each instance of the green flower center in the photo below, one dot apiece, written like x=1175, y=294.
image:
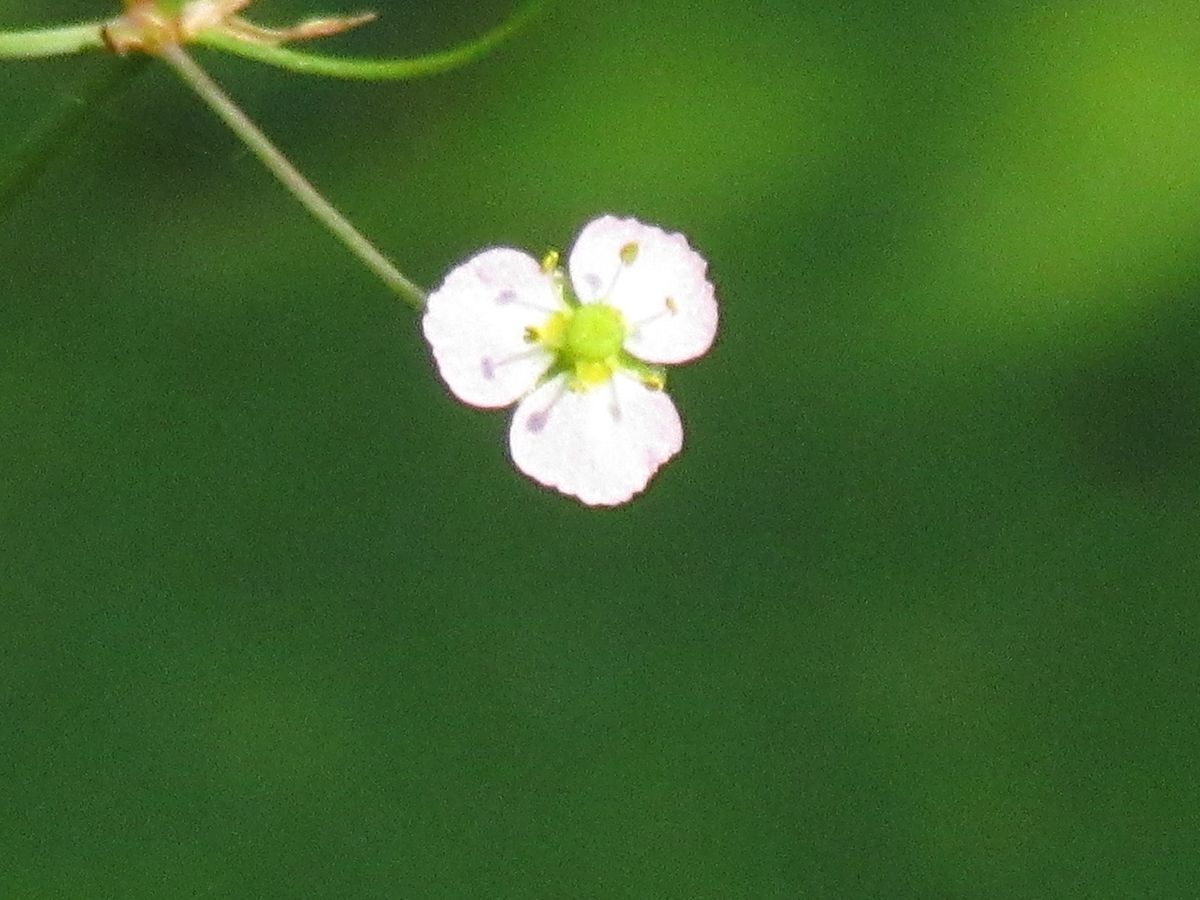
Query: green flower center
x=594, y=333
x=587, y=341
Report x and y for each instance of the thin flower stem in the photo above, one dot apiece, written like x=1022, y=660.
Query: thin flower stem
x=373, y=69
x=60, y=41
x=299, y=187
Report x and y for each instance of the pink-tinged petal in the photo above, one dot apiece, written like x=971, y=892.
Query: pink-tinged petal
x=601, y=445
x=476, y=326
x=655, y=279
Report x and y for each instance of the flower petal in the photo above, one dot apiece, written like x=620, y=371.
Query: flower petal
x=475, y=324
x=600, y=445
x=655, y=279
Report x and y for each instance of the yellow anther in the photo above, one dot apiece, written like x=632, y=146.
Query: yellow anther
x=656, y=381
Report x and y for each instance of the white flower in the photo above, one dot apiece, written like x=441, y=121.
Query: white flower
x=580, y=354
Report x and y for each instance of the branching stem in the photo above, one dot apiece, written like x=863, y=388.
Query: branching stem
x=289, y=176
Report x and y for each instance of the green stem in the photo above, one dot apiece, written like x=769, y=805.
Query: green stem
x=372, y=69
x=261, y=146
x=61, y=41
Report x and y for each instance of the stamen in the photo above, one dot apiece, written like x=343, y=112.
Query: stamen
x=614, y=408
x=592, y=280
x=488, y=365
x=509, y=297
x=670, y=308
x=655, y=381
x=537, y=420
x=627, y=254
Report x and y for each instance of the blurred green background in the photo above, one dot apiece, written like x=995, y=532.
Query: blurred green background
x=914, y=615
